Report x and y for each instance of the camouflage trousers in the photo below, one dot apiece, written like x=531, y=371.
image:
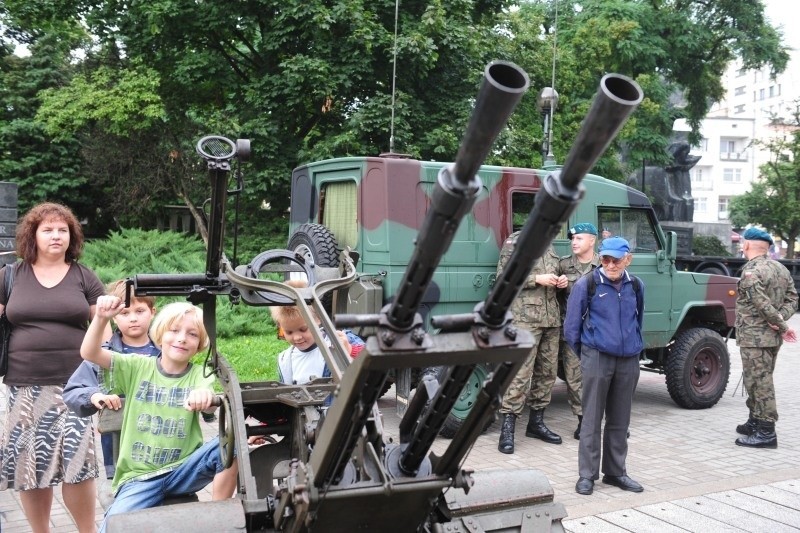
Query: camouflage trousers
x=535, y=379
x=572, y=375
x=758, y=364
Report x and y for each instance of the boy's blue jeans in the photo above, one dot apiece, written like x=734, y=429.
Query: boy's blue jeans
x=107, y=442
x=197, y=471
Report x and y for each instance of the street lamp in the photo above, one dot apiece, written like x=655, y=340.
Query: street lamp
x=547, y=102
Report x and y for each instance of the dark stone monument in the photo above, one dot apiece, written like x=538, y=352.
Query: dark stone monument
x=670, y=187
x=8, y=222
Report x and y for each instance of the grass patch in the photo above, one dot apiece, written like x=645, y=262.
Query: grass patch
x=254, y=357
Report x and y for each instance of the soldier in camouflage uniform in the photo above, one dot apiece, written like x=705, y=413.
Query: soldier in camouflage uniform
x=582, y=260
x=536, y=309
x=766, y=299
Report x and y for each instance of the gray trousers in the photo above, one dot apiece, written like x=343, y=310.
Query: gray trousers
x=608, y=386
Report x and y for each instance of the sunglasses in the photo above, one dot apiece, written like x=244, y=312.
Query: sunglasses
x=607, y=260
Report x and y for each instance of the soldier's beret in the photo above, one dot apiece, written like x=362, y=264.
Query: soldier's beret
x=583, y=227
x=755, y=234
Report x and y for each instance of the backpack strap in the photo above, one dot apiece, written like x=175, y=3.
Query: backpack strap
x=9, y=279
x=591, y=287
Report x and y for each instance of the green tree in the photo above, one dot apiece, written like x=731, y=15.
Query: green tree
x=303, y=80
x=671, y=48
x=773, y=201
x=309, y=80
x=45, y=168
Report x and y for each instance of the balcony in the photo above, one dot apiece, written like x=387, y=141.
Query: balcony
x=733, y=156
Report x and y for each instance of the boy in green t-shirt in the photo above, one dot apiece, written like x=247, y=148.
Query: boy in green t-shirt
x=161, y=444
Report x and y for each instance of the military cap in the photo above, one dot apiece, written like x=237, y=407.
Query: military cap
x=583, y=227
x=615, y=247
x=755, y=234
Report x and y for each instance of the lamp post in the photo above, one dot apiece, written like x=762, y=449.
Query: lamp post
x=547, y=102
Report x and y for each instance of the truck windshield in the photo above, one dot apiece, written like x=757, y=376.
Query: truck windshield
x=635, y=225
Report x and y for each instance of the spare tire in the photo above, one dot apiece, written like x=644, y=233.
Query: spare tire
x=317, y=244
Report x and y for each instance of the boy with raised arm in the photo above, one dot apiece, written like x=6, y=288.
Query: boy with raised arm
x=161, y=445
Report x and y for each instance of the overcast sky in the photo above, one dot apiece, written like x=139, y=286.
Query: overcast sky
x=779, y=13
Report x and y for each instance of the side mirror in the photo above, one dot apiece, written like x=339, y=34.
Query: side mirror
x=672, y=245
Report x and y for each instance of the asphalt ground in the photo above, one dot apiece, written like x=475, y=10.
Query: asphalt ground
x=695, y=477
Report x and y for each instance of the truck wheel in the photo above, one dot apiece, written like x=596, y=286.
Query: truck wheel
x=315, y=242
x=698, y=368
x=466, y=400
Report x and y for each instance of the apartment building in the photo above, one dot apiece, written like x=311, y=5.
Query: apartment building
x=756, y=107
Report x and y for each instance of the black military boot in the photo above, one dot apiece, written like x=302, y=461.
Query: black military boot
x=577, y=433
x=748, y=428
x=506, y=444
x=764, y=437
x=538, y=430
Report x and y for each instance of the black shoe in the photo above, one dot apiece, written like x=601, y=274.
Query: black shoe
x=623, y=482
x=577, y=434
x=538, y=430
x=748, y=428
x=764, y=437
x=584, y=486
x=208, y=417
x=506, y=444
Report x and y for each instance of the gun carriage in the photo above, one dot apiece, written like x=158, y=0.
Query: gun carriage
x=332, y=468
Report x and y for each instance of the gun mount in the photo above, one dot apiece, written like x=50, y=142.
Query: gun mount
x=331, y=468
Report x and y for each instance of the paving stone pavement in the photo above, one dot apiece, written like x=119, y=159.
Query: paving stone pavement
x=695, y=477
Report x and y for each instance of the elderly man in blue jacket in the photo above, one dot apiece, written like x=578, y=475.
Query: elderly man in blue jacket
x=604, y=326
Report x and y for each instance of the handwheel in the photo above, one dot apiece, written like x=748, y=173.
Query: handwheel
x=226, y=435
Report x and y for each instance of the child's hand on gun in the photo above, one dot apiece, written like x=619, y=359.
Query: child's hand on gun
x=109, y=401
x=200, y=400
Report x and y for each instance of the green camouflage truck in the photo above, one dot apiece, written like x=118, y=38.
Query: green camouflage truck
x=375, y=206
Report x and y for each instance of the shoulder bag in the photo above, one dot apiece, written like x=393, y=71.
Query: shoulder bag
x=5, y=325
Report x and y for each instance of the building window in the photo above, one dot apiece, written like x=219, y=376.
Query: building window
x=697, y=174
x=732, y=175
x=722, y=207
x=761, y=94
x=739, y=90
x=700, y=205
x=739, y=109
x=741, y=72
x=772, y=91
x=726, y=146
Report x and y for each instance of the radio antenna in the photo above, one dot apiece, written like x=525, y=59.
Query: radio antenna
x=394, y=76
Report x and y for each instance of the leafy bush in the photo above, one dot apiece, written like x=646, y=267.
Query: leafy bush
x=135, y=251
x=709, y=245
x=268, y=233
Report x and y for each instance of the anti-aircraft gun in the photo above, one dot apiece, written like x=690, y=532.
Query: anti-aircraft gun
x=332, y=468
